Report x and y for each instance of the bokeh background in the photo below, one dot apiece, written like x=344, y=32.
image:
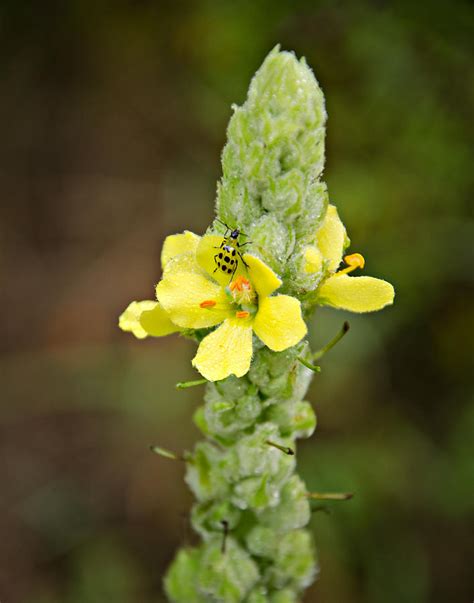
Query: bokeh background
x=113, y=116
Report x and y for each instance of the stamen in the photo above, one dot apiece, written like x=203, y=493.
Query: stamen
x=242, y=291
x=240, y=283
x=353, y=261
x=242, y=314
x=168, y=454
x=208, y=303
x=225, y=526
x=285, y=449
x=329, y=495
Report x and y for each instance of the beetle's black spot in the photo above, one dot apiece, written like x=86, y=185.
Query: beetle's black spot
x=233, y=251
x=224, y=269
x=220, y=256
x=218, y=263
x=229, y=270
x=226, y=259
x=232, y=262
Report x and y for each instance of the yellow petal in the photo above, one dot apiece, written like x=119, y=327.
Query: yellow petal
x=226, y=351
x=279, y=323
x=177, y=244
x=207, y=253
x=184, y=262
x=356, y=293
x=313, y=260
x=264, y=280
x=181, y=295
x=331, y=238
x=156, y=322
x=129, y=320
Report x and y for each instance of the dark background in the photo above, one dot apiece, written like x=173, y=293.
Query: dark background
x=113, y=116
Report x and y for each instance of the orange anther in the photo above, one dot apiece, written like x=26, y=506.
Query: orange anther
x=355, y=260
x=209, y=303
x=240, y=283
x=242, y=314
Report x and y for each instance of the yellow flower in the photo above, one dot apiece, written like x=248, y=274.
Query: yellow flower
x=356, y=294
x=193, y=295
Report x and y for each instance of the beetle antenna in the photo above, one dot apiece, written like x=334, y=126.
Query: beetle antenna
x=223, y=224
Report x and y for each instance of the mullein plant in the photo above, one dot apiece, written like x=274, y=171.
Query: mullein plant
x=243, y=292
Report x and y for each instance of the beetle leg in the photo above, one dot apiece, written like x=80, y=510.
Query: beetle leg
x=233, y=272
x=242, y=258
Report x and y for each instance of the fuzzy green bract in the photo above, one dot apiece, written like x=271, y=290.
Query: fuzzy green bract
x=271, y=190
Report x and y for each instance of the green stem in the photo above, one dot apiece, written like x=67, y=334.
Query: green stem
x=320, y=353
x=312, y=367
x=186, y=384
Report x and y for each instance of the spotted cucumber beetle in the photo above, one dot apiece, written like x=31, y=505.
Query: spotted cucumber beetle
x=227, y=258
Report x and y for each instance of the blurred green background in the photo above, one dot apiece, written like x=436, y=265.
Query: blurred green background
x=113, y=116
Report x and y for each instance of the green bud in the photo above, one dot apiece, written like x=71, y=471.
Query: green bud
x=272, y=241
x=295, y=419
x=258, y=595
x=294, y=562
x=252, y=456
x=255, y=493
x=226, y=577
x=180, y=581
x=262, y=541
x=204, y=474
x=292, y=511
x=208, y=518
x=228, y=413
x=284, y=596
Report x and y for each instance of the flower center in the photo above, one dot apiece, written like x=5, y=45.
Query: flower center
x=242, y=299
x=353, y=261
x=242, y=291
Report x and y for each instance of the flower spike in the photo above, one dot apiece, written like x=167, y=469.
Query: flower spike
x=247, y=314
